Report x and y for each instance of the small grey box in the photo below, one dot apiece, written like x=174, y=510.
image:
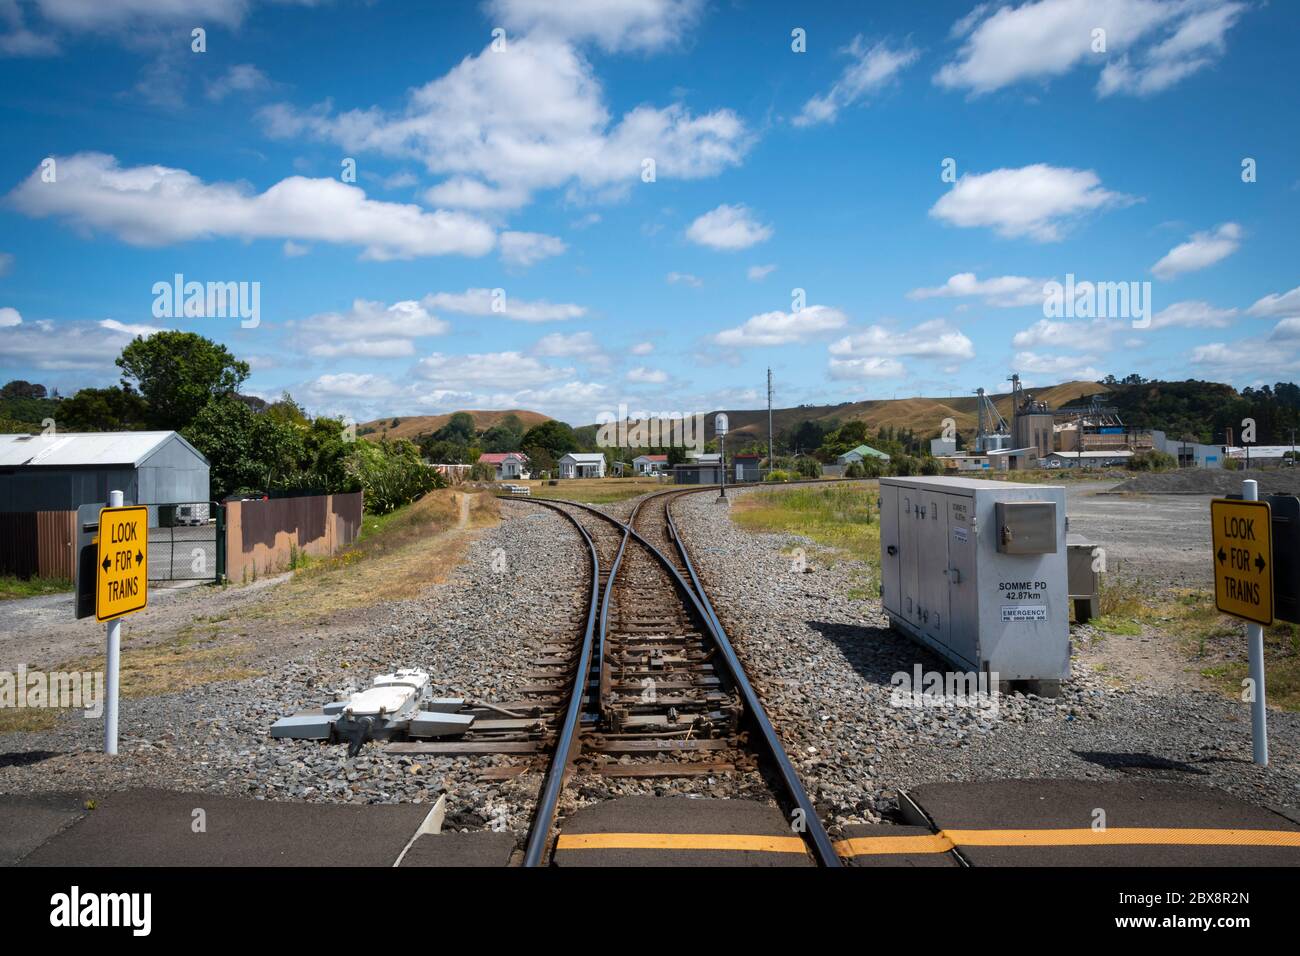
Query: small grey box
x=1026, y=527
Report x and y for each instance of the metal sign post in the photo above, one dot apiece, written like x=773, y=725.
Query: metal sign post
x=121, y=588
x=1243, y=586
x=721, y=424
x=1255, y=643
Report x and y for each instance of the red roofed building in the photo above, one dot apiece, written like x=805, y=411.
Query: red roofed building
x=650, y=464
x=508, y=464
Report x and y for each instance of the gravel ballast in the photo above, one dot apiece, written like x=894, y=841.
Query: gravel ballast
x=823, y=663
x=476, y=635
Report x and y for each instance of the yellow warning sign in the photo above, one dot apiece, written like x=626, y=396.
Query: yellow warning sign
x=1243, y=558
x=122, y=578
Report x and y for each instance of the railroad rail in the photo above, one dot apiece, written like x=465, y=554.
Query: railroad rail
x=658, y=676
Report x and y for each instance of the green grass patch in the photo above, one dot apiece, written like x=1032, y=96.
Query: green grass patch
x=844, y=518
x=13, y=587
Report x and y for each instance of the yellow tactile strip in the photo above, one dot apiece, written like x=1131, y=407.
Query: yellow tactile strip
x=946, y=840
x=940, y=842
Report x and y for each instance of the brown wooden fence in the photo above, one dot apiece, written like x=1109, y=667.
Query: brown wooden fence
x=263, y=536
x=37, y=543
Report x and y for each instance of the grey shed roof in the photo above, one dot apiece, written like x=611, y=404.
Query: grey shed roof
x=79, y=449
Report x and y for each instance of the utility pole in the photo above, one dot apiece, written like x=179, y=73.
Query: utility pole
x=770, y=464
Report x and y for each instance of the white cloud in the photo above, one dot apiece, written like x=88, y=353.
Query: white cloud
x=683, y=278
x=92, y=15
x=1277, y=305
x=642, y=348
x=1248, y=361
x=369, y=330
x=1193, y=315
x=6, y=263
x=728, y=228
x=463, y=192
x=1067, y=335
x=580, y=345
x=352, y=385
x=612, y=24
x=524, y=249
x=491, y=369
x=1041, y=40
x=759, y=273
x=1036, y=201
x=292, y=250
x=59, y=345
x=1060, y=367
x=932, y=339
x=486, y=302
x=1006, y=291
x=1196, y=43
x=115, y=326
x=155, y=205
x=858, y=368
x=532, y=118
x=873, y=68
x=1203, y=249
x=240, y=78
x=648, y=376
x=783, y=328
x=1288, y=330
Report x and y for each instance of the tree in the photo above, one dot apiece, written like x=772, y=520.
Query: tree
x=554, y=437
x=19, y=388
x=459, y=429
x=178, y=373
x=505, y=435
x=103, y=410
x=223, y=432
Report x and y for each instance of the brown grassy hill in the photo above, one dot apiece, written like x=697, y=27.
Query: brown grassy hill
x=414, y=426
x=924, y=416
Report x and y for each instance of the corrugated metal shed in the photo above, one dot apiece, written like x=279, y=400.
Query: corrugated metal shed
x=63, y=471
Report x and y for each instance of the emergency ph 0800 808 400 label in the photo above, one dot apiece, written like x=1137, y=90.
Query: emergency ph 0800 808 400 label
x=1024, y=612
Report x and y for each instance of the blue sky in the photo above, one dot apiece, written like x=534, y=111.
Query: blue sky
x=502, y=247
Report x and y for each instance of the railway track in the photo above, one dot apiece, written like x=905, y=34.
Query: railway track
x=654, y=687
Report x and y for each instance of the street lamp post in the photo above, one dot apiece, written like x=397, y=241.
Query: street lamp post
x=720, y=426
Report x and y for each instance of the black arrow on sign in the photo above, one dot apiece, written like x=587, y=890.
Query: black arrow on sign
x=1259, y=562
x=1222, y=556
x=107, y=564
x=139, y=558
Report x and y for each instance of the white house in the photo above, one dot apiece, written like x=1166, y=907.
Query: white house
x=650, y=464
x=508, y=464
x=582, y=464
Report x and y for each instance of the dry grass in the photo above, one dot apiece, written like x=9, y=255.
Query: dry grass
x=197, y=655
x=595, y=491
x=1214, y=643
x=396, y=558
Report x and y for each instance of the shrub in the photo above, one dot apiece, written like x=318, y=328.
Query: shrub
x=1152, y=461
x=777, y=475
x=905, y=465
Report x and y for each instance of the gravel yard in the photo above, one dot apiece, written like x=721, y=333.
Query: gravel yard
x=1161, y=541
x=823, y=662
x=475, y=634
